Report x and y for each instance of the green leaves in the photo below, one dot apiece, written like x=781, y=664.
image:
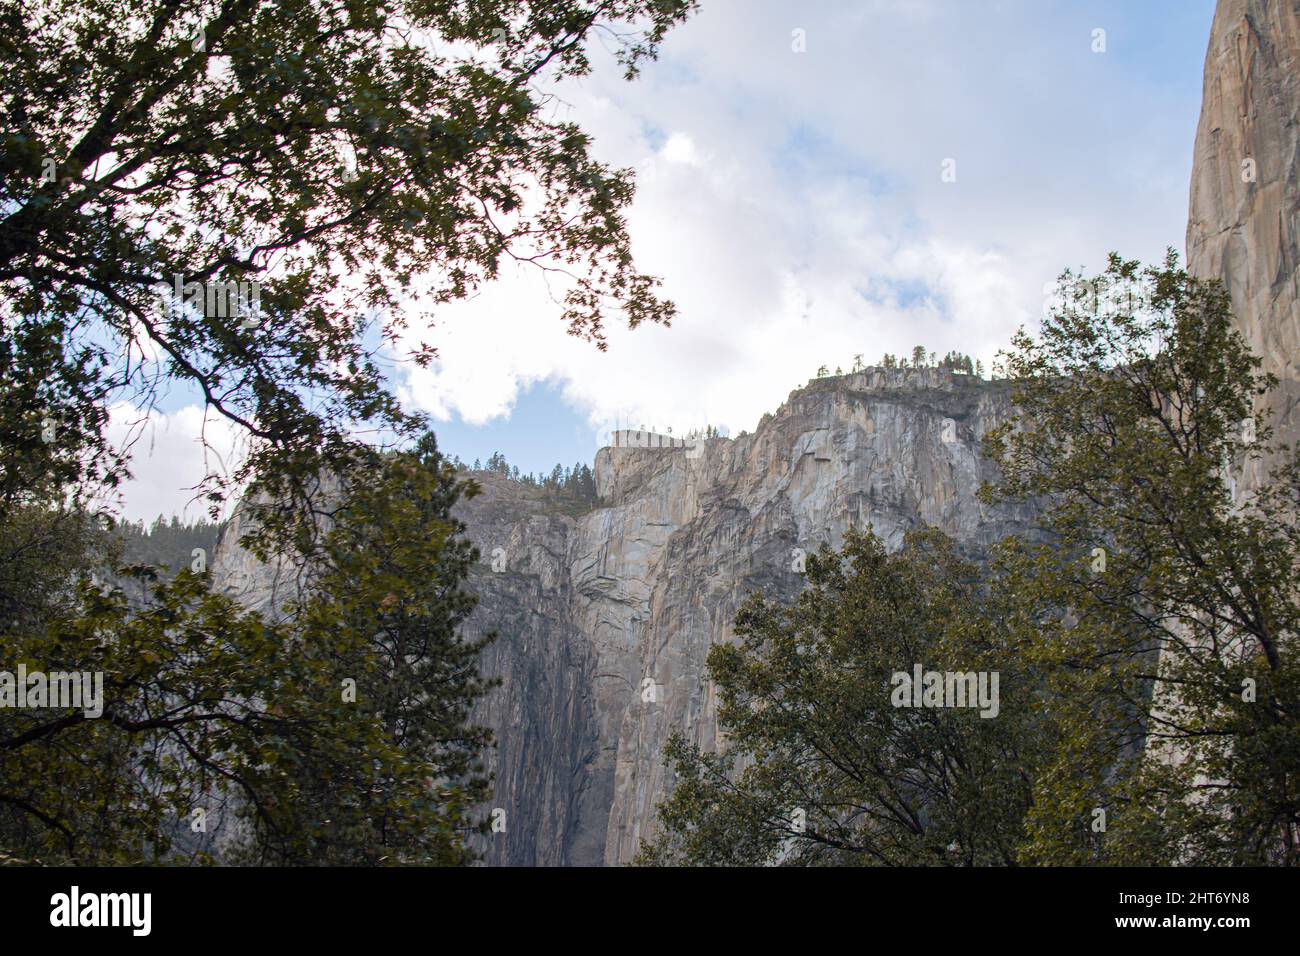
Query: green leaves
x=1130, y=431
x=311, y=147
x=821, y=765
x=1149, y=699
x=209, y=706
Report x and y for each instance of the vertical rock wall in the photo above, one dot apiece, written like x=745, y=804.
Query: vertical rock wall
x=605, y=618
x=1244, y=220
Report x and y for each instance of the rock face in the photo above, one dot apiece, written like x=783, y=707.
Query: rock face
x=1244, y=221
x=605, y=618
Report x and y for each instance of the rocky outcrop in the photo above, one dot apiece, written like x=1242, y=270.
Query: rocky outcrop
x=605, y=615
x=605, y=618
x=1244, y=221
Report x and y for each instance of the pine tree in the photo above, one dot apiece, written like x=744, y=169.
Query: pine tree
x=207, y=704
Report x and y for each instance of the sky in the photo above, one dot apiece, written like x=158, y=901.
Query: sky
x=815, y=181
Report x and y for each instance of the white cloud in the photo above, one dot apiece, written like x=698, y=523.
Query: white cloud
x=170, y=453
x=794, y=206
x=680, y=148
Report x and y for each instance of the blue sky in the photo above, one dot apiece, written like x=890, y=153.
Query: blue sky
x=792, y=200
x=540, y=431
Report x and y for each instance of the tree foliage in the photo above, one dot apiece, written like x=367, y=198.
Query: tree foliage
x=338, y=156
x=247, y=718
x=820, y=766
x=167, y=544
x=1145, y=632
x=1140, y=404
x=259, y=204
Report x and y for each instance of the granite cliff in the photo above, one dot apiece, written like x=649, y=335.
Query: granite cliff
x=606, y=617
x=1244, y=220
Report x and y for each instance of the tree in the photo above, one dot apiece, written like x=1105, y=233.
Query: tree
x=208, y=707
x=1144, y=634
x=325, y=155
x=166, y=542
x=251, y=193
x=857, y=363
x=822, y=766
x=398, y=771
x=588, y=483
x=918, y=357
x=957, y=362
x=1169, y=608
